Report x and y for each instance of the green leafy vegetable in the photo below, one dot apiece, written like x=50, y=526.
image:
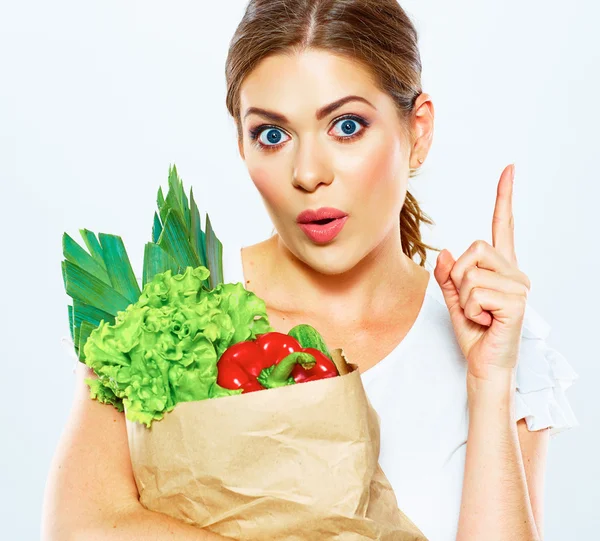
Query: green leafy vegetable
x=163, y=349
x=102, y=283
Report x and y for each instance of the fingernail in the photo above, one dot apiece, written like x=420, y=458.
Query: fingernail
x=513, y=172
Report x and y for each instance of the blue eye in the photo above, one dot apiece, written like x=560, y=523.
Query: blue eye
x=273, y=136
x=272, y=139
x=348, y=126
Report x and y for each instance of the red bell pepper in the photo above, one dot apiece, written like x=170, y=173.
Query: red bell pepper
x=240, y=365
x=323, y=368
x=253, y=365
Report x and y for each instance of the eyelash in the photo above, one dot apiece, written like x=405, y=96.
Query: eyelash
x=256, y=132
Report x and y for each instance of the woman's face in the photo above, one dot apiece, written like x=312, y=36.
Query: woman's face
x=354, y=158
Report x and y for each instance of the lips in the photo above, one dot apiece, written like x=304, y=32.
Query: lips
x=322, y=215
x=322, y=234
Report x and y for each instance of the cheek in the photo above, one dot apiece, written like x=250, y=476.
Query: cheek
x=265, y=181
x=377, y=171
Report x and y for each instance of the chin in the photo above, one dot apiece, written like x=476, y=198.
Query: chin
x=329, y=259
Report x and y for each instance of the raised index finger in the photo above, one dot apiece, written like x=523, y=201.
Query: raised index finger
x=503, y=224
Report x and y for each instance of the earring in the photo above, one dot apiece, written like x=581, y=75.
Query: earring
x=420, y=160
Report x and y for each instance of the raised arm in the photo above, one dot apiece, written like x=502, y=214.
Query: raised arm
x=499, y=487
x=486, y=295
x=90, y=492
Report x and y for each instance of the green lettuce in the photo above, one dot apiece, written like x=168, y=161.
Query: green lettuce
x=163, y=349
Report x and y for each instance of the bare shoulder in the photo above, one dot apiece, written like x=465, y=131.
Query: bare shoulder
x=259, y=267
x=254, y=258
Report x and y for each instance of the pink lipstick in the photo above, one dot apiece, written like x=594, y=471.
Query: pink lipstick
x=322, y=225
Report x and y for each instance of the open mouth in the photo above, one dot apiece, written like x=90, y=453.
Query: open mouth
x=323, y=222
x=325, y=230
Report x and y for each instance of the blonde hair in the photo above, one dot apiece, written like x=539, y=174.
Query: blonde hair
x=376, y=33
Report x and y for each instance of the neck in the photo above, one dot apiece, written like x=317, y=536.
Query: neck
x=350, y=296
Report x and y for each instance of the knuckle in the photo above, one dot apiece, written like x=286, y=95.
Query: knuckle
x=477, y=294
x=471, y=274
x=479, y=246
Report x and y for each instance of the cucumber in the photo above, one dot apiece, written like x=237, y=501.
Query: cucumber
x=309, y=337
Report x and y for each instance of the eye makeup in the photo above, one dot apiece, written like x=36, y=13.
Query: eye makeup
x=255, y=133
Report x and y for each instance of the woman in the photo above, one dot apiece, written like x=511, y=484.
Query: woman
x=329, y=109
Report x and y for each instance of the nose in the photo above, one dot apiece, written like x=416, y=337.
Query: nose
x=311, y=166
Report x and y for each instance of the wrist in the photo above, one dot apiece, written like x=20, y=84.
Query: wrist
x=498, y=384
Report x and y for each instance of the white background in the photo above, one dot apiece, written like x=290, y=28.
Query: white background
x=97, y=99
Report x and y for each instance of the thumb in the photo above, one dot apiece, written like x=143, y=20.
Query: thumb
x=443, y=266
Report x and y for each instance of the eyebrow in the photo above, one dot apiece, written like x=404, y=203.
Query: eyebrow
x=321, y=113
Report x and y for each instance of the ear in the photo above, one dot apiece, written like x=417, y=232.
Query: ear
x=241, y=148
x=422, y=129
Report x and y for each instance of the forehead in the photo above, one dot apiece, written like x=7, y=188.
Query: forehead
x=303, y=82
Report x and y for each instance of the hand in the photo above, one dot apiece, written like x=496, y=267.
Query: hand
x=486, y=293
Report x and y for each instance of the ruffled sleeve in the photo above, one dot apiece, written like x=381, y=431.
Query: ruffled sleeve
x=542, y=377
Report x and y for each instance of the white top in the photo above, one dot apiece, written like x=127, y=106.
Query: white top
x=419, y=392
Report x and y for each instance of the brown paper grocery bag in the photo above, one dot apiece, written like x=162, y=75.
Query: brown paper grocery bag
x=298, y=462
